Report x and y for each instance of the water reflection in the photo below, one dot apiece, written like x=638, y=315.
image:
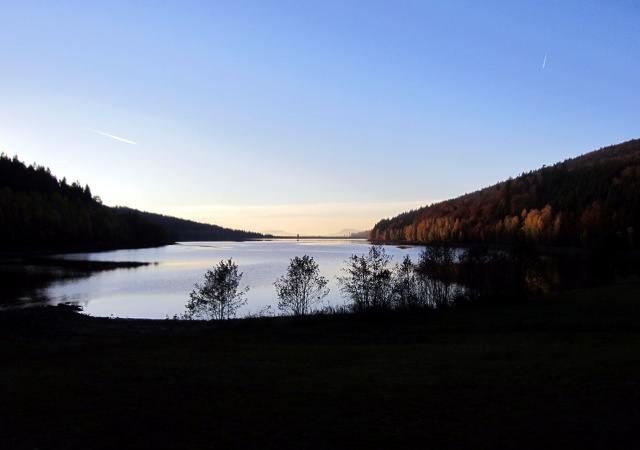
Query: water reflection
x=26, y=281
x=106, y=284
x=161, y=290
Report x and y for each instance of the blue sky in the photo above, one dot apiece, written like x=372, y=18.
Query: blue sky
x=311, y=117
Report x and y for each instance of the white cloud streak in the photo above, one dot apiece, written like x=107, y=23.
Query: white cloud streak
x=117, y=138
x=544, y=61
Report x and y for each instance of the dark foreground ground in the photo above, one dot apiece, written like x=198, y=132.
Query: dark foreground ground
x=561, y=372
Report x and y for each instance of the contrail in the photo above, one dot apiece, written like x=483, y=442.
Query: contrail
x=102, y=133
x=544, y=61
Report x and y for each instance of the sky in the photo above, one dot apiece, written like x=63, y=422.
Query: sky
x=311, y=117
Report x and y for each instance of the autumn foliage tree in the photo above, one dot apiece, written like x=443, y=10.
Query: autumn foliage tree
x=592, y=200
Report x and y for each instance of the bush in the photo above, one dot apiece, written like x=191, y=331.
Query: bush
x=301, y=287
x=220, y=296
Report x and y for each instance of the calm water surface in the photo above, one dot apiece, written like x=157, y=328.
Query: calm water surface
x=161, y=290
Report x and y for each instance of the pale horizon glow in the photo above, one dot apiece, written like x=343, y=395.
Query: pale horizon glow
x=319, y=219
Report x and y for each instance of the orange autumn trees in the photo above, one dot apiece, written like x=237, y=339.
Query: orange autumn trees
x=590, y=200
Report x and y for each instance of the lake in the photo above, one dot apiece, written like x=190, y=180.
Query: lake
x=161, y=289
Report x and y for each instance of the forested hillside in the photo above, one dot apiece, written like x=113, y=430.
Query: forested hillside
x=188, y=230
x=591, y=200
x=40, y=212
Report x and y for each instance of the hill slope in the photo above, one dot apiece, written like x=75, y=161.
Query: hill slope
x=590, y=200
x=188, y=230
x=40, y=212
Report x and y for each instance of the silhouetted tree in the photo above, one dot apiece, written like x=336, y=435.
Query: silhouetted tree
x=368, y=280
x=405, y=285
x=220, y=296
x=301, y=287
x=436, y=270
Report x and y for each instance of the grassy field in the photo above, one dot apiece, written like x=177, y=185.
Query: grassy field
x=558, y=372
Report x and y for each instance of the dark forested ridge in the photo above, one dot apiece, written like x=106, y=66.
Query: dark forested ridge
x=188, y=230
x=40, y=212
x=591, y=200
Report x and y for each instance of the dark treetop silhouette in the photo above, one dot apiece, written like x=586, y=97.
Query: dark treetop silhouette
x=40, y=212
x=188, y=230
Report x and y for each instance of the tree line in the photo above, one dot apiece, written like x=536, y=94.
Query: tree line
x=41, y=212
x=370, y=282
x=38, y=211
x=589, y=201
x=189, y=230
x=441, y=277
